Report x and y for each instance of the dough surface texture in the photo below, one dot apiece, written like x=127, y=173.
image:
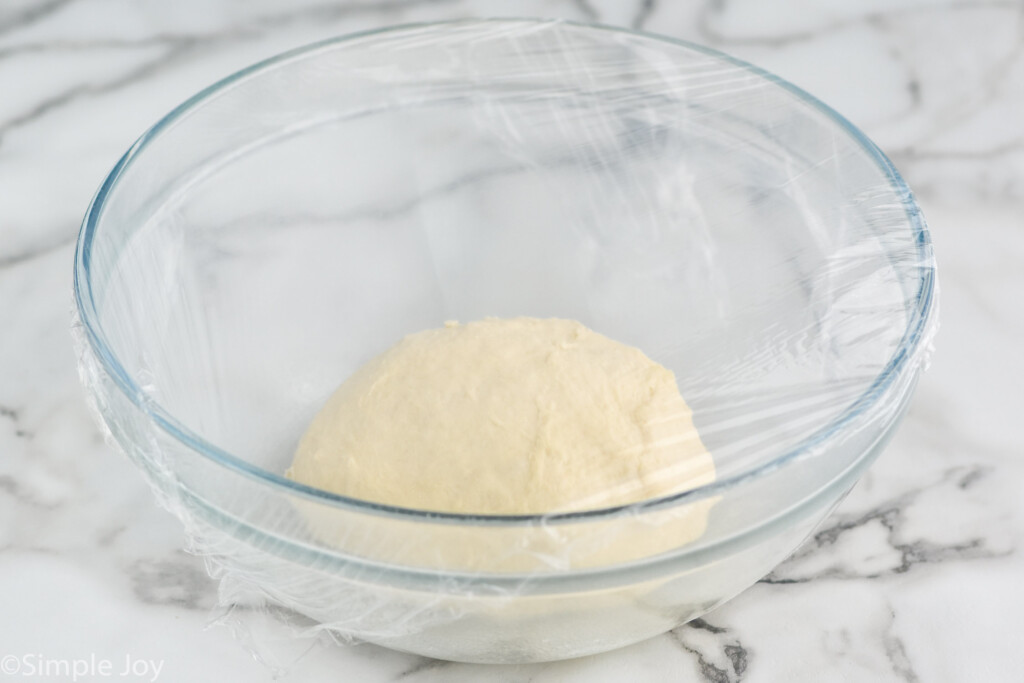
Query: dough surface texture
x=507, y=417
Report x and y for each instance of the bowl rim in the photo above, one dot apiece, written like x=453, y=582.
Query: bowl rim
x=916, y=334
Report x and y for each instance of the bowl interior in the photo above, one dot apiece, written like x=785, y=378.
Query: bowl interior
x=286, y=226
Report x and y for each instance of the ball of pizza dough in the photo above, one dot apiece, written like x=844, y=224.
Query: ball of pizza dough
x=505, y=417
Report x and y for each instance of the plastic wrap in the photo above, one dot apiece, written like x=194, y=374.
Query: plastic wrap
x=283, y=227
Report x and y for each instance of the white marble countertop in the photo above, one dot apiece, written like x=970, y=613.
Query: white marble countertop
x=917, y=577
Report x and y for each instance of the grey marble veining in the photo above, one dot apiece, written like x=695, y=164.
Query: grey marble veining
x=916, y=577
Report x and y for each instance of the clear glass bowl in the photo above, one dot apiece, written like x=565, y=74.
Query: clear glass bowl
x=285, y=225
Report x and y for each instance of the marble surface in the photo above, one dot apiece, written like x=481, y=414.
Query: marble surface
x=916, y=577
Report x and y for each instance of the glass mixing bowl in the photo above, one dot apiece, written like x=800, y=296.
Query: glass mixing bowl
x=290, y=222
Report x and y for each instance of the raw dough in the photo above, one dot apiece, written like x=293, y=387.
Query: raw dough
x=506, y=416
